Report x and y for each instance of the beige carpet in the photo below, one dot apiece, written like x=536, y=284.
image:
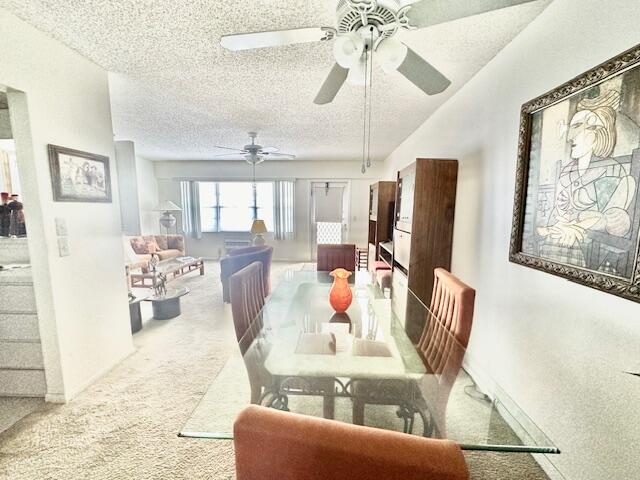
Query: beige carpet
x=125, y=426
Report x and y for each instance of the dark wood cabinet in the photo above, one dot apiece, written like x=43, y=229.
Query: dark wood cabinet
x=381, y=210
x=423, y=225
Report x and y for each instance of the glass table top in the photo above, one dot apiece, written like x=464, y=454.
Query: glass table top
x=378, y=364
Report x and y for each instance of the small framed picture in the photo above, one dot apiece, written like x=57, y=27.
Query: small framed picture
x=79, y=176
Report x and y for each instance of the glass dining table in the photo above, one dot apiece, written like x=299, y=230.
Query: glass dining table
x=383, y=363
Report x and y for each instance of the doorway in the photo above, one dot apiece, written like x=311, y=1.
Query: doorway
x=329, y=213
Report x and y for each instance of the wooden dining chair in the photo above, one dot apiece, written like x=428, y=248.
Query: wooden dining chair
x=246, y=291
x=247, y=301
x=272, y=444
x=332, y=256
x=239, y=258
x=442, y=345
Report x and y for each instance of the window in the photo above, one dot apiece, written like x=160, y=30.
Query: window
x=232, y=206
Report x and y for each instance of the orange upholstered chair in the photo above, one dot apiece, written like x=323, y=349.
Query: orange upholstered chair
x=332, y=256
x=270, y=444
x=452, y=302
x=442, y=345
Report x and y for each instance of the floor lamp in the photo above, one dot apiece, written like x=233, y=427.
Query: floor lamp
x=167, y=220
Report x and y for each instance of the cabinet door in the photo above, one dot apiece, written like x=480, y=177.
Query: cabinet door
x=399, y=294
x=373, y=202
x=404, y=208
x=402, y=248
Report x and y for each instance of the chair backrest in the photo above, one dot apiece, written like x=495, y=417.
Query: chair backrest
x=246, y=289
x=273, y=444
x=233, y=263
x=452, y=302
x=332, y=256
x=444, y=341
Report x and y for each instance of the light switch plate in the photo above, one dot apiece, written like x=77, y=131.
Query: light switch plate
x=61, y=227
x=63, y=246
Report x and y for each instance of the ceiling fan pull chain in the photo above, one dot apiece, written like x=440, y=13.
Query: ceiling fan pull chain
x=370, y=73
x=364, y=111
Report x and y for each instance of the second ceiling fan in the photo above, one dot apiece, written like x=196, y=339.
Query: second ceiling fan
x=365, y=27
x=253, y=153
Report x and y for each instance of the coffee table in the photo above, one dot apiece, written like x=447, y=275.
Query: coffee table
x=172, y=268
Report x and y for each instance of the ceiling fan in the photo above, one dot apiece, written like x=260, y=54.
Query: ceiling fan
x=368, y=26
x=254, y=153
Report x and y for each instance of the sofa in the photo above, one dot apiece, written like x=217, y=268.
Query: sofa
x=165, y=246
x=239, y=258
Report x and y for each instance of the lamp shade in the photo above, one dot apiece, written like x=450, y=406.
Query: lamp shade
x=391, y=53
x=258, y=227
x=348, y=49
x=168, y=206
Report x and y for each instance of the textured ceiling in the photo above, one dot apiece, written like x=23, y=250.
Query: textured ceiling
x=176, y=93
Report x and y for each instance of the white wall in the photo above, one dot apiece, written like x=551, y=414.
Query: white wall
x=169, y=175
x=81, y=299
x=558, y=348
x=148, y=198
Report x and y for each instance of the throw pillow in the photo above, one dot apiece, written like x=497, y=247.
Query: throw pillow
x=139, y=245
x=161, y=241
x=176, y=242
x=151, y=239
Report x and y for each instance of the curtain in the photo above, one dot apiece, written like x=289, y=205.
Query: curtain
x=190, y=193
x=284, y=213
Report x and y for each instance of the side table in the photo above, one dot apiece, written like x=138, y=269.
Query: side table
x=168, y=305
x=134, y=313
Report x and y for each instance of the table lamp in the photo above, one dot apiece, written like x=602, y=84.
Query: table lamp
x=258, y=228
x=167, y=220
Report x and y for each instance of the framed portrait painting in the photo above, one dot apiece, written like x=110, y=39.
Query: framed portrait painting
x=577, y=198
x=79, y=176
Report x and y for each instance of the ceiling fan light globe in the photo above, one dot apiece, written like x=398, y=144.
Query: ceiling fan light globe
x=347, y=49
x=391, y=53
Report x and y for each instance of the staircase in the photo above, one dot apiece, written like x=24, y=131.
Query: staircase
x=21, y=364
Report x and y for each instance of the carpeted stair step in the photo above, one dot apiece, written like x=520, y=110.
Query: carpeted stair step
x=22, y=383
x=21, y=355
x=13, y=250
x=16, y=291
x=18, y=327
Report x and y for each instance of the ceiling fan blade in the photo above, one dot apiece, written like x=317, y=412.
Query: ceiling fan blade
x=422, y=74
x=237, y=154
x=269, y=149
x=425, y=13
x=274, y=38
x=331, y=85
x=229, y=148
x=278, y=154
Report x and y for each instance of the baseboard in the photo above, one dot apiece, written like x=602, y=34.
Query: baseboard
x=55, y=398
x=67, y=396
x=488, y=386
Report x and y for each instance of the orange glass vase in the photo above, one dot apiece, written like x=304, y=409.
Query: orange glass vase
x=340, y=295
